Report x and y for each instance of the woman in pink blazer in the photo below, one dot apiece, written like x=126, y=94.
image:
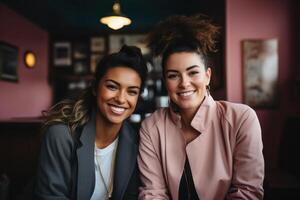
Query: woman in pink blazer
x=198, y=148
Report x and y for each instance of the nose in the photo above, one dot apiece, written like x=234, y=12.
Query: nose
x=184, y=81
x=120, y=97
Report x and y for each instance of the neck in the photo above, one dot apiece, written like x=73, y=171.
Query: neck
x=106, y=132
x=187, y=117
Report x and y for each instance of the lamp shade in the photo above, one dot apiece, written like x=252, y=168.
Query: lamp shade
x=116, y=20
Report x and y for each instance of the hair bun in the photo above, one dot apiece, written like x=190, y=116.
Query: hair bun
x=131, y=51
x=197, y=29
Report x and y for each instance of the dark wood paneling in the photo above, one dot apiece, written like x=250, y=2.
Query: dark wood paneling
x=19, y=150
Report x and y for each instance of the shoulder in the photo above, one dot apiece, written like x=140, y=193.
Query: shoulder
x=235, y=112
x=57, y=134
x=155, y=119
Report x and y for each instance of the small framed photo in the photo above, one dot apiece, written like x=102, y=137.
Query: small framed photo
x=98, y=44
x=80, y=50
x=62, y=54
x=80, y=67
x=8, y=62
x=95, y=58
x=116, y=41
x=260, y=63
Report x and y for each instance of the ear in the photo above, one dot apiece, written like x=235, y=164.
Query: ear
x=208, y=75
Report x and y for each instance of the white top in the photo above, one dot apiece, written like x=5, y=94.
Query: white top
x=105, y=158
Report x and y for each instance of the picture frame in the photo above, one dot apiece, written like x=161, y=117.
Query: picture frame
x=116, y=41
x=97, y=44
x=80, y=50
x=62, y=54
x=260, y=68
x=8, y=62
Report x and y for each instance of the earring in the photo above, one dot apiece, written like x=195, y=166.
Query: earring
x=208, y=89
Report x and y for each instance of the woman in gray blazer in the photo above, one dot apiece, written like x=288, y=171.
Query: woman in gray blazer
x=89, y=151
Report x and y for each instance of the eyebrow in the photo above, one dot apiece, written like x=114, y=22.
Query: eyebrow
x=191, y=67
x=115, y=82
x=187, y=69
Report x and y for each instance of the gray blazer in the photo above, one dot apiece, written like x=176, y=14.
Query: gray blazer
x=66, y=167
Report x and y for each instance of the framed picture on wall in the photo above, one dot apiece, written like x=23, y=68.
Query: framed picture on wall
x=260, y=68
x=116, y=41
x=98, y=44
x=80, y=50
x=62, y=54
x=8, y=62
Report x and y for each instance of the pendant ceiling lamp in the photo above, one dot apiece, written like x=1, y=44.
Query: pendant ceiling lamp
x=116, y=20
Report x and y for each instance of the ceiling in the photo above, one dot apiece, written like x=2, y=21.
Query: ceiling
x=82, y=16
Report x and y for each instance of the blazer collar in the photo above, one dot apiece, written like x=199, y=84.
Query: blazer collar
x=125, y=160
x=85, y=157
x=124, y=165
x=201, y=118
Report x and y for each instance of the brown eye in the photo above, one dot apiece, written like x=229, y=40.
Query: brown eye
x=172, y=76
x=133, y=92
x=111, y=87
x=193, y=73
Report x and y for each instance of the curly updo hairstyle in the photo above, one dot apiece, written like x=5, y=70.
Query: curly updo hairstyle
x=180, y=33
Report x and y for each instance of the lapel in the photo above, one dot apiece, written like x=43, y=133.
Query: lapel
x=125, y=160
x=85, y=157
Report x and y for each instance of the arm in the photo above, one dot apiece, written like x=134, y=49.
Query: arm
x=150, y=166
x=248, y=161
x=54, y=168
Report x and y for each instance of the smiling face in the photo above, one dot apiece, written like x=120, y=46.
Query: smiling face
x=186, y=80
x=117, y=94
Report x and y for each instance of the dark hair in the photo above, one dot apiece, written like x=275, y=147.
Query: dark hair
x=128, y=56
x=179, y=46
x=180, y=33
x=77, y=112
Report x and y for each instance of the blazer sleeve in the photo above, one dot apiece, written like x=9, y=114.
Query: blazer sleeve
x=152, y=177
x=248, y=161
x=53, y=179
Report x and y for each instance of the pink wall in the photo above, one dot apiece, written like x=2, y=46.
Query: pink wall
x=32, y=94
x=256, y=19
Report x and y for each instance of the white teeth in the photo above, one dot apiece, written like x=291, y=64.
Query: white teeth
x=117, y=110
x=186, y=93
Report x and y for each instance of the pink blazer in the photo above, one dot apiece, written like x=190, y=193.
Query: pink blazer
x=226, y=159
